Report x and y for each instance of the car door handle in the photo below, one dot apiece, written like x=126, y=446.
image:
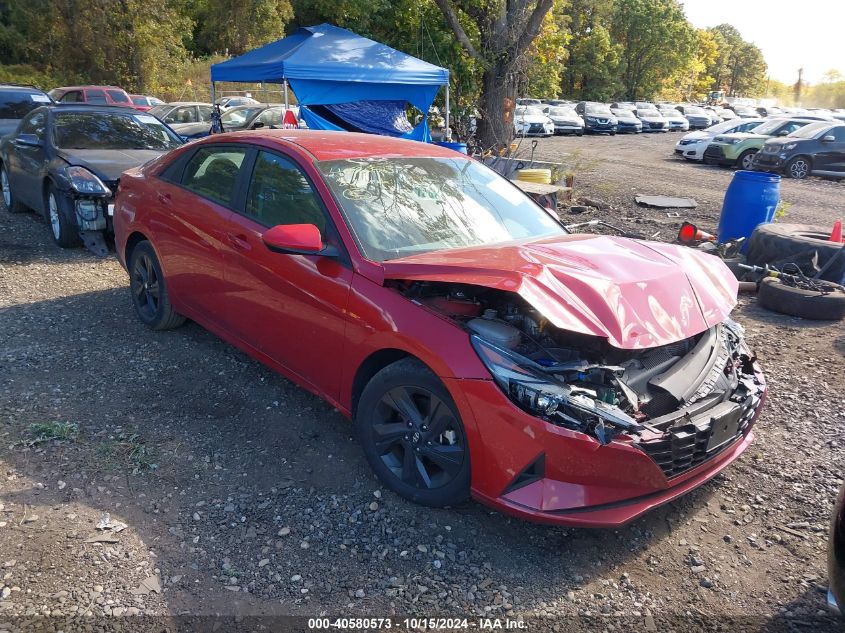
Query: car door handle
x=239, y=242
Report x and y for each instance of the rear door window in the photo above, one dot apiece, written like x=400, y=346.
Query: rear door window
x=16, y=104
x=213, y=173
x=184, y=114
x=205, y=113
x=118, y=96
x=95, y=96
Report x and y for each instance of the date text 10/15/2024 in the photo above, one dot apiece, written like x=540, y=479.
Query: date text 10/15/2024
x=417, y=624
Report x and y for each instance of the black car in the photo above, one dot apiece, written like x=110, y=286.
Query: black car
x=598, y=119
x=836, y=556
x=64, y=162
x=816, y=148
x=697, y=117
x=16, y=102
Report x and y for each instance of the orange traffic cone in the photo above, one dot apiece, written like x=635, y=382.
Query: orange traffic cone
x=836, y=234
x=689, y=233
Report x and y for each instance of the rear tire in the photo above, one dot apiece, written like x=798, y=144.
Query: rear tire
x=61, y=219
x=746, y=159
x=412, y=435
x=149, y=290
x=9, y=201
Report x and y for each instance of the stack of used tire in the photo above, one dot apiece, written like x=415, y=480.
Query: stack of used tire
x=780, y=244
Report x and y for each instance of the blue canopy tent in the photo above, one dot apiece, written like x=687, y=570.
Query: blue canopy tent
x=344, y=81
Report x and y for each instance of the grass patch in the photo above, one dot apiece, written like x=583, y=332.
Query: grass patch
x=47, y=431
x=129, y=452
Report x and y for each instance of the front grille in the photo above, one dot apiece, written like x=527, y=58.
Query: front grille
x=535, y=128
x=689, y=445
x=714, y=151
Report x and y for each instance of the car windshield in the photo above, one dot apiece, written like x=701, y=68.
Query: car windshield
x=561, y=112
x=694, y=110
x=648, y=111
x=405, y=206
x=811, y=130
x=532, y=110
x=770, y=127
x=236, y=119
x=16, y=104
x=598, y=108
x=106, y=130
x=726, y=126
x=160, y=111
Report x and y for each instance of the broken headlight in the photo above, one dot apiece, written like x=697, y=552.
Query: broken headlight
x=527, y=388
x=83, y=181
x=539, y=394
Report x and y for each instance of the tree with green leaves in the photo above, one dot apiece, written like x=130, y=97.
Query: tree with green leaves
x=654, y=39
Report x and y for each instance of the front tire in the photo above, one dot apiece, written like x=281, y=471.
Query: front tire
x=798, y=168
x=412, y=435
x=149, y=290
x=9, y=201
x=61, y=218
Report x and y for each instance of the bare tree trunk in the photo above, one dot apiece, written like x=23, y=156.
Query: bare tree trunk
x=498, y=97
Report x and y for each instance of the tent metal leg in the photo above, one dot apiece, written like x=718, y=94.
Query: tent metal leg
x=287, y=98
x=448, y=131
x=212, y=93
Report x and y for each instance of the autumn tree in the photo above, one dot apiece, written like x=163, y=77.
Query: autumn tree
x=654, y=38
x=236, y=26
x=497, y=34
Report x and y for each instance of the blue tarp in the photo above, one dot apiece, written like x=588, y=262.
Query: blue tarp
x=327, y=65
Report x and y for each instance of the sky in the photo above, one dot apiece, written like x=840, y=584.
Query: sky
x=808, y=34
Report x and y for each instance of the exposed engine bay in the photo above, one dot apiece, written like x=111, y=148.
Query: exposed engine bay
x=694, y=396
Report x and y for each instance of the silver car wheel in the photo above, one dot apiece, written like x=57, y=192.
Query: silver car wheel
x=55, y=224
x=748, y=161
x=799, y=169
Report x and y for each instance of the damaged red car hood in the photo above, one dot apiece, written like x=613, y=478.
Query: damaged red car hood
x=636, y=294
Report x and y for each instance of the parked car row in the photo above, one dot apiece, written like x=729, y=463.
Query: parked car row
x=795, y=147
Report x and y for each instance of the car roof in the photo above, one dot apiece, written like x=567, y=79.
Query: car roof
x=184, y=103
x=21, y=88
x=86, y=107
x=67, y=88
x=325, y=145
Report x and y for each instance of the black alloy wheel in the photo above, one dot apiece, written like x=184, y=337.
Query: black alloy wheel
x=412, y=435
x=146, y=291
x=149, y=290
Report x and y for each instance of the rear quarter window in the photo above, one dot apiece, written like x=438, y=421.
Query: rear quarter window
x=16, y=104
x=118, y=96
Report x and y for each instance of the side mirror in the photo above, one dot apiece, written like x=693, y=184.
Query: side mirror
x=830, y=138
x=293, y=239
x=27, y=140
x=783, y=133
x=257, y=125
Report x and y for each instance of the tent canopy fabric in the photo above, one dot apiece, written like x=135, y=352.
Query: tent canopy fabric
x=326, y=64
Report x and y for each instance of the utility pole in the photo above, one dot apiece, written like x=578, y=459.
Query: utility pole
x=798, y=86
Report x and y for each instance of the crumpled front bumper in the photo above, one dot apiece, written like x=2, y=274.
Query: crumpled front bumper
x=538, y=471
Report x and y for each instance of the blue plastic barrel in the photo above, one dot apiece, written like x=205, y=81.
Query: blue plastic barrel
x=751, y=200
x=458, y=147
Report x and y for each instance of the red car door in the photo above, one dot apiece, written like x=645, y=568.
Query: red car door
x=195, y=200
x=290, y=308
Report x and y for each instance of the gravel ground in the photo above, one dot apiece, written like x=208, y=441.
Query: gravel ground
x=243, y=495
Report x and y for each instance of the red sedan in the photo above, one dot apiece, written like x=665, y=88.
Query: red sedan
x=476, y=345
